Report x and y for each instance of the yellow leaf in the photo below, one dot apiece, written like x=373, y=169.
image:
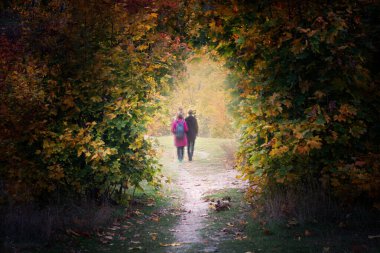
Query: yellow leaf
x=95, y=156
x=340, y=118
x=297, y=46
x=347, y=109
x=142, y=47
x=319, y=94
x=69, y=101
x=96, y=99
x=303, y=149
x=314, y=142
x=171, y=244
x=56, y=172
x=111, y=115
x=153, y=236
x=278, y=151
x=153, y=15
x=80, y=151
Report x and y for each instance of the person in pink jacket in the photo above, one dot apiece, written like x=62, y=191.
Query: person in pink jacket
x=179, y=130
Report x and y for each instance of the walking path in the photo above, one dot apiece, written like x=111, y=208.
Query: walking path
x=206, y=174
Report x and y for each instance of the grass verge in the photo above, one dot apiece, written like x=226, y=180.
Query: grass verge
x=143, y=227
x=239, y=229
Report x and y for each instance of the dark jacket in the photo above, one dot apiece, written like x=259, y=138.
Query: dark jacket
x=192, y=124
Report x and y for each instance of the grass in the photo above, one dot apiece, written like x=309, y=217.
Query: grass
x=140, y=228
x=146, y=225
x=236, y=230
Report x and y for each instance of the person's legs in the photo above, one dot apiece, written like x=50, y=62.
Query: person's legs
x=189, y=154
x=190, y=149
x=181, y=151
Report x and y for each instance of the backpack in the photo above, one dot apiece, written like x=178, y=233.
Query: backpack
x=180, y=130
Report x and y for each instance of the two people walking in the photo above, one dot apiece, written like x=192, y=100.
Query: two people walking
x=185, y=132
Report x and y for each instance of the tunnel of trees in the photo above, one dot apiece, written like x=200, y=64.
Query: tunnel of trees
x=80, y=81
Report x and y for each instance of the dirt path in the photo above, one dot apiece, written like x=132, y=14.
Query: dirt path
x=206, y=174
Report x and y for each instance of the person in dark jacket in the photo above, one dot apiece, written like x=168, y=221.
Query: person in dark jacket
x=192, y=125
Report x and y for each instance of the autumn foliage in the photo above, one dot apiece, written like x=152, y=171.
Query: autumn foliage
x=79, y=80
x=306, y=92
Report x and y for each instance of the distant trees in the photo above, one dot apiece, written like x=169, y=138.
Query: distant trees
x=203, y=90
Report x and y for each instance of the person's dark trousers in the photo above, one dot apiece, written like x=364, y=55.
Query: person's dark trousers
x=190, y=148
x=180, y=151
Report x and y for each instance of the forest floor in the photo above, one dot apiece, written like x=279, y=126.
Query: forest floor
x=184, y=216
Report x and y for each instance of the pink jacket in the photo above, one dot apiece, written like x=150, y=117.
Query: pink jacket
x=180, y=142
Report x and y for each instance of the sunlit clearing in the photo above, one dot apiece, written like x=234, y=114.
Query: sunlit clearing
x=203, y=90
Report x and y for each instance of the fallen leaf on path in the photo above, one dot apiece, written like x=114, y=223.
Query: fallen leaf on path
x=155, y=218
x=108, y=237
x=292, y=222
x=151, y=202
x=241, y=237
x=267, y=231
x=153, y=236
x=170, y=244
x=138, y=213
x=230, y=224
x=135, y=248
x=243, y=222
x=72, y=232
